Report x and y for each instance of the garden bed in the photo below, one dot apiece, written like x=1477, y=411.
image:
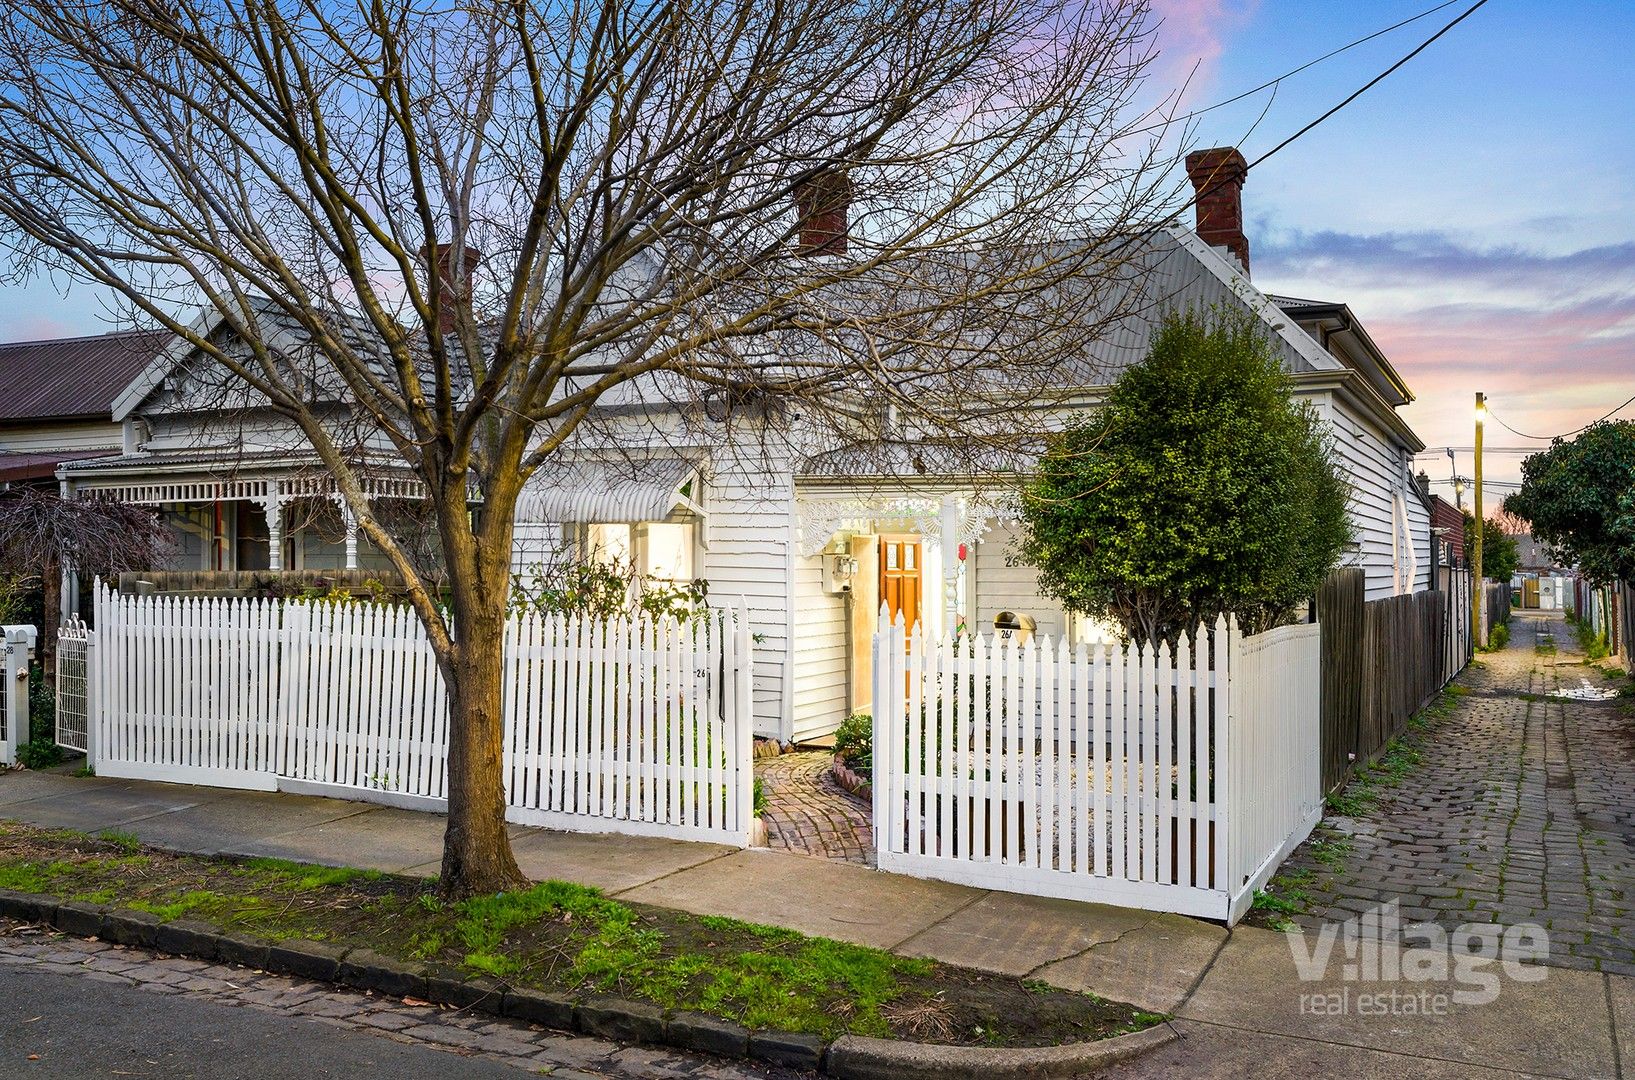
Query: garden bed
x=569, y=939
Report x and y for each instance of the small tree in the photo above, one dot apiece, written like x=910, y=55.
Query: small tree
x=1199, y=488
x=1580, y=498
x=39, y=531
x=1498, y=549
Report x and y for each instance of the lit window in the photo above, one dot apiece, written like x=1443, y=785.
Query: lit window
x=669, y=551
x=608, y=544
x=659, y=549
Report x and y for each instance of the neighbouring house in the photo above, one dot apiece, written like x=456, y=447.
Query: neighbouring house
x=1448, y=533
x=237, y=485
x=1540, y=582
x=58, y=402
x=807, y=533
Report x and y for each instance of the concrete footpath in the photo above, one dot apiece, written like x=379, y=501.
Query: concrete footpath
x=1237, y=997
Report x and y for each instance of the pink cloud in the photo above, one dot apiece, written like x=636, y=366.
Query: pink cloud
x=37, y=328
x=1191, y=36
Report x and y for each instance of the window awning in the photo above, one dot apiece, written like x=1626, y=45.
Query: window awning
x=585, y=490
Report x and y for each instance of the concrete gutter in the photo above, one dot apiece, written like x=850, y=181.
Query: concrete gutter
x=853, y=1057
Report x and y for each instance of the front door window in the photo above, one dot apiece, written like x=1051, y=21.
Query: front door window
x=900, y=577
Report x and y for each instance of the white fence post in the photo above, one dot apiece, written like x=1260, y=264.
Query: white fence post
x=93, y=700
x=14, y=692
x=742, y=710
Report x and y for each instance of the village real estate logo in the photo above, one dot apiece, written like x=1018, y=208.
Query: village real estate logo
x=1387, y=968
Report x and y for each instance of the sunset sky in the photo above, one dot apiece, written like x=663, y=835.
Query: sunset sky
x=1476, y=210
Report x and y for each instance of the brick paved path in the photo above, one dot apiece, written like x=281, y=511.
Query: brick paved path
x=806, y=811
x=1521, y=809
x=538, y=1050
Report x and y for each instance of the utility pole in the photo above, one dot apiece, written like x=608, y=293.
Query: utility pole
x=1477, y=593
x=1458, y=484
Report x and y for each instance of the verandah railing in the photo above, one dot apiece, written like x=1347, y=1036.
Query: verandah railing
x=635, y=726
x=1170, y=779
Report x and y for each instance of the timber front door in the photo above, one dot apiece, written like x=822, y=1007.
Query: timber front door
x=900, y=577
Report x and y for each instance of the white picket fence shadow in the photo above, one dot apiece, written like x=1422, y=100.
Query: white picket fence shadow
x=632, y=726
x=1173, y=780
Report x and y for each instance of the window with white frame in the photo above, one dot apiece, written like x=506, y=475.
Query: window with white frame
x=665, y=550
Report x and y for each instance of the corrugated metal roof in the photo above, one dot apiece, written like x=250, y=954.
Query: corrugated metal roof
x=583, y=489
x=72, y=377
x=40, y=466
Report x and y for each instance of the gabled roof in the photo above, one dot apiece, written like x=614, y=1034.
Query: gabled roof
x=1329, y=321
x=74, y=378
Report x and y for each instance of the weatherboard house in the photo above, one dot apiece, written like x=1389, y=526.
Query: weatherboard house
x=809, y=538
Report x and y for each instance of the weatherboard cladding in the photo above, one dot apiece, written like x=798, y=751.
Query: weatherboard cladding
x=822, y=652
x=72, y=377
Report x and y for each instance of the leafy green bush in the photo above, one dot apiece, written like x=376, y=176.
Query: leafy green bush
x=1200, y=487
x=41, y=750
x=1498, y=637
x=854, y=743
x=603, y=590
x=39, y=754
x=758, y=799
x=42, y=706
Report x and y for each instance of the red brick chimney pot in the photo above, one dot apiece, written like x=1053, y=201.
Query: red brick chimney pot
x=1217, y=175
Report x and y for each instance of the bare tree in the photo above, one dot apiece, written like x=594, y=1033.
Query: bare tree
x=488, y=220
x=38, y=531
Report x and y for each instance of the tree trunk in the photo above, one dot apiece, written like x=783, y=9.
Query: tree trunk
x=477, y=857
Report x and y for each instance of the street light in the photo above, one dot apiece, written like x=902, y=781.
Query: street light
x=1477, y=592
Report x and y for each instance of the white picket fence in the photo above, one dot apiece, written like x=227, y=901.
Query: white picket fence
x=632, y=726
x=1173, y=780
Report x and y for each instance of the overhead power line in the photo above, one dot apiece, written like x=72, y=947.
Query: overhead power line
x=1441, y=451
x=1269, y=83
x=1375, y=81
x=1565, y=434
x=1371, y=83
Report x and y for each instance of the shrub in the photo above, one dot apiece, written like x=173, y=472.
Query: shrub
x=39, y=754
x=42, y=706
x=605, y=590
x=1498, y=637
x=854, y=742
x=1199, y=488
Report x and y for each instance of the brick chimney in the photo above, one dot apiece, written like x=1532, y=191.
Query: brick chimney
x=1218, y=176
x=456, y=285
x=824, y=204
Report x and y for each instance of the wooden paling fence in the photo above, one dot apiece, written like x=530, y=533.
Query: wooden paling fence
x=622, y=725
x=1382, y=662
x=1496, y=606
x=1168, y=779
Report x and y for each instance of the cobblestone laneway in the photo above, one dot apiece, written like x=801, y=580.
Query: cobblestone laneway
x=532, y=1050
x=1520, y=809
x=806, y=811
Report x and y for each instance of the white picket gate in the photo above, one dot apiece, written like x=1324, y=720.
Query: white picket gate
x=634, y=726
x=1173, y=780
x=73, y=641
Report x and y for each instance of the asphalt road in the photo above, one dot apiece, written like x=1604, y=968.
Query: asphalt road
x=81, y=1028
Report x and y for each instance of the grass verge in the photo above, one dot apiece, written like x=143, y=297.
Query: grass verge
x=568, y=938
